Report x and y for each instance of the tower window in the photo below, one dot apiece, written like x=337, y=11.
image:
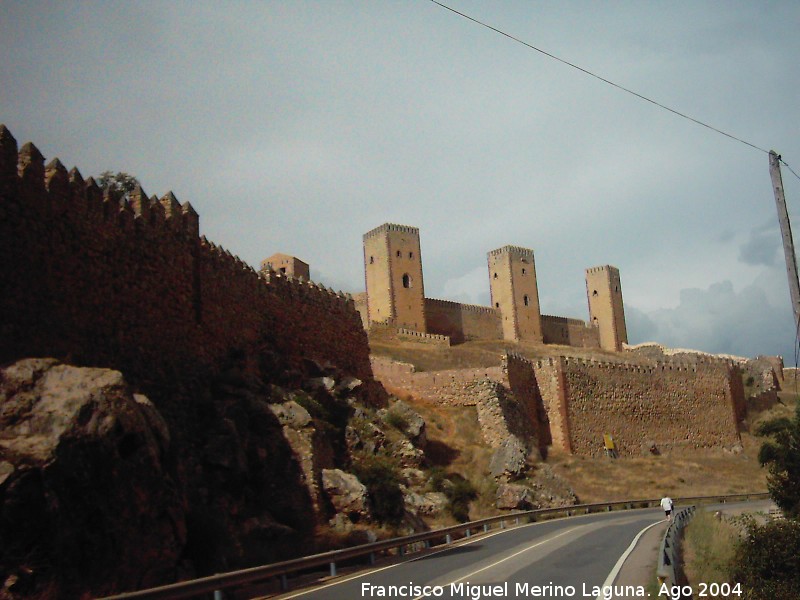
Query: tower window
x=410, y=255
x=406, y=280
x=495, y=275
x=497, y=305
x=371, y=260
x=523, y=270
x=594, y=293
x=525, y=300
x=399, y=254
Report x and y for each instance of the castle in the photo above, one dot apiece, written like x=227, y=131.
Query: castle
x=395, y=296
x=130, y=284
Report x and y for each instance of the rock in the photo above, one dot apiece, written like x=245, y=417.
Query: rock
x=413, y=476
x=367, y=437
x=83, y=485
x=407, y=420
x=431, y=503
x=359, y=537
x=347, y=384
x=406, y=453
x=291, y=414
x=325, y=383
x=346, y=493
x=512, y=496
x=510, y=459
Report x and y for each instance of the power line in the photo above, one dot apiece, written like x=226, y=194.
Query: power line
x=609, y=82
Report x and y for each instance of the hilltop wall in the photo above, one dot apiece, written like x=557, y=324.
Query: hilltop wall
x=131, y=285
x=670, y=405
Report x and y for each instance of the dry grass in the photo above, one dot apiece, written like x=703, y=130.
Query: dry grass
x=709, y=547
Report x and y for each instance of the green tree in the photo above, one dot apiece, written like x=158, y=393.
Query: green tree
x=780, y=453
x=767, y=561
x=118, y=182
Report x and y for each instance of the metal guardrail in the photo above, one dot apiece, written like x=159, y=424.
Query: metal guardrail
x=222, y=581
x=669, y=554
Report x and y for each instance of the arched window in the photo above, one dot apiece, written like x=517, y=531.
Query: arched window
x=371, y=260
x=399, y=254
x=495, y=275
x=406, y=280
x=525, y=299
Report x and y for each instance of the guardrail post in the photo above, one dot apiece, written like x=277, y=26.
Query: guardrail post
x=371, y=558
x=485, y=527
x=333, y=569
x=448, y=539
x=218, y=595
x=467, y=533
x=502, y=524
x=284, y=583
x=516, y=520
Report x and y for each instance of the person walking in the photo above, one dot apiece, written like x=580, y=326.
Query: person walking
x=667, y=504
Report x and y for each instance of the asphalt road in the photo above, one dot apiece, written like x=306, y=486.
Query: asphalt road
x=564, y=558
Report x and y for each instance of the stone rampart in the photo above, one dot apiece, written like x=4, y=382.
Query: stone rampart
x=569, y=332
x=454, y=387
x=131, y=285
x=462, y=322
x=670, y=405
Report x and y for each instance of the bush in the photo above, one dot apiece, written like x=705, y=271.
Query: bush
x=381, y=477
x=460, y=494
x=767, y=561
x=781, y=454
x=396, y=420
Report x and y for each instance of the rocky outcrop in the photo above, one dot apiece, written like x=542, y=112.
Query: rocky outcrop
x=346, y=493
x=85, y=493
x=510, y=460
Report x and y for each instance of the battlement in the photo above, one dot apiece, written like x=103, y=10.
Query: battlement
x=512, y=250
x=433, y=338
x=129, y=283
x=386, y=227
x=601, y=269
x=568, y=321
x=474, y=308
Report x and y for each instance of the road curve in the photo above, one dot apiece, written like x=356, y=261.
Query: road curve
x=562, y=558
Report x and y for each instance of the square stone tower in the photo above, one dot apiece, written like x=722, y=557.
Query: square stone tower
x=288, y=265
x=512, y=281
x=606, y=310
x=393, y=274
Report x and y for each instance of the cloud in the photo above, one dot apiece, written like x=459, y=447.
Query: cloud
x=762, y=246
x=720, y=320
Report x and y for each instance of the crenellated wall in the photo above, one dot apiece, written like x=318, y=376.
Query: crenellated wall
x=569, y=332
x=671, y=405
x=130, y=284
x=462, y=322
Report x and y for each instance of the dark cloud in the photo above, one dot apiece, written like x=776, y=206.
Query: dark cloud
x=720, y=320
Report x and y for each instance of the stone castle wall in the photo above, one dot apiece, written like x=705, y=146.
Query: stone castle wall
x=131, y=285
x=670, y=405
x=569, y=332
x=568, y=403
x=462, y=322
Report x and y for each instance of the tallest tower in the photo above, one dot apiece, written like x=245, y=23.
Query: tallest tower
x=512, y=282
x=393, y=273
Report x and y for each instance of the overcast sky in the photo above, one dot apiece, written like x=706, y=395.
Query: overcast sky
x=298, y=126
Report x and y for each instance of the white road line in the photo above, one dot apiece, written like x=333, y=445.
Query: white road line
x=462, y=542
x=615, y=571
x=502, y=560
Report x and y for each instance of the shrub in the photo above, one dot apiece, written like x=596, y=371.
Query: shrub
x=396, y=420
x=767, y=561
x=781, y=454
x=460, y=493
x=381, y=477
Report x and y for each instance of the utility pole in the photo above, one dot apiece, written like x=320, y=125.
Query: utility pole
x=786, y=234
